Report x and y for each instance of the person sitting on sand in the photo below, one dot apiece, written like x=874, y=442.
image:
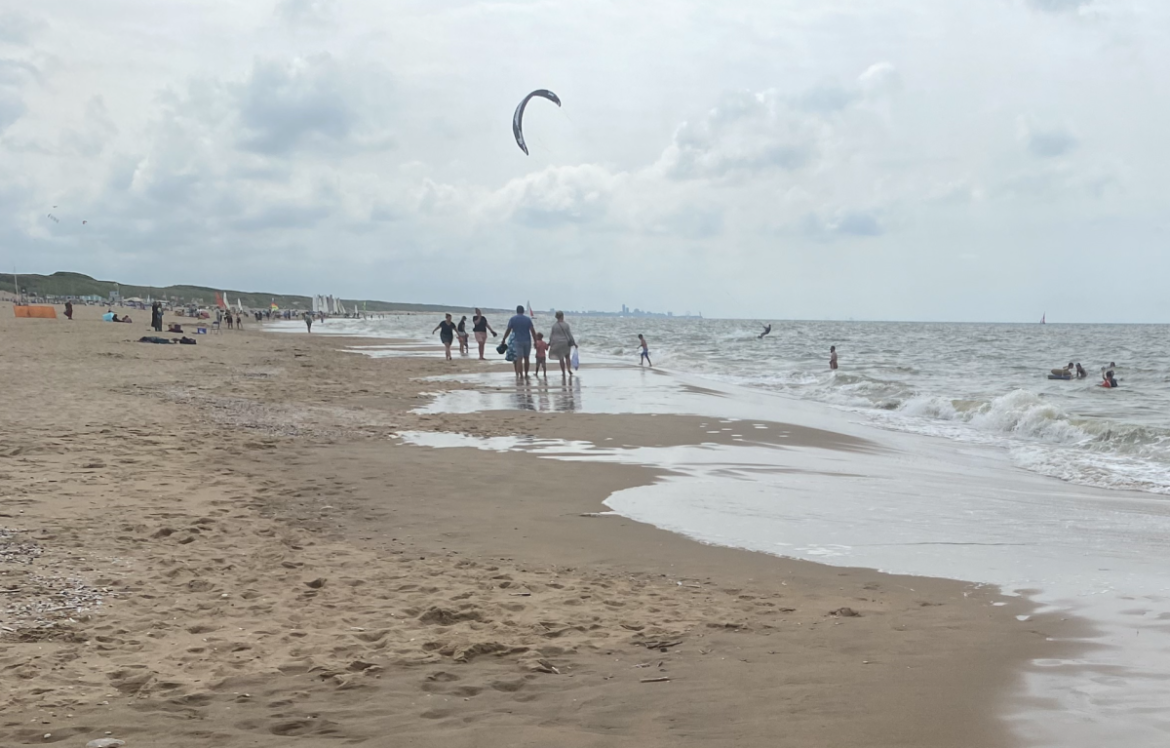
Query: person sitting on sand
x=175, y=328
x=1065, y=372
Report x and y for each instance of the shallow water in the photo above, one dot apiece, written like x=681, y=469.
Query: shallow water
x=974, y=383
x=913, y=505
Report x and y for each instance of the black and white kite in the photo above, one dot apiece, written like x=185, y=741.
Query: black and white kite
x=518, y=117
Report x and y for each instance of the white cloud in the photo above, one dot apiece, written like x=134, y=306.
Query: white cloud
x=1059, y=6
x=287, y=105
x=18, y=28
x=306, y=11
x=1047, y=142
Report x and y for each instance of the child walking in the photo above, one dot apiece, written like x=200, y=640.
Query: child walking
x=541, y=354
x=645, y=352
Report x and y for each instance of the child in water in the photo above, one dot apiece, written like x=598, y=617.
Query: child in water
x=541, y=354
x=645, y=356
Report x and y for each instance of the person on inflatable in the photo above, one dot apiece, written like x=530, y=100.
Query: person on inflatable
x=1081, y=373
x=1065, y=372
x=1110, y=382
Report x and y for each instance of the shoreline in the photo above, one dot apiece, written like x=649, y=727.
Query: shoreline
x=285, y=443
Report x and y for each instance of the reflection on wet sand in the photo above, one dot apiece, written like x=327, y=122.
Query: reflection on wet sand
x=543, y=397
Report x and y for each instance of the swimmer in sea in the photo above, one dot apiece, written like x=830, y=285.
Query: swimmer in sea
x=1110, y=381
x=767, y=329
x=833, y=357
x=1081, y=373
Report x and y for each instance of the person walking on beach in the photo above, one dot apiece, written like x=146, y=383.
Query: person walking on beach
x=308, y=320
x=446, y=330
x=561, y=343
x=461, y=331
x=645, y=355
x=833, y=357
x=480, y=326
x=541, y=354
x=69, y=310
x=156, y=316
x=523, y=334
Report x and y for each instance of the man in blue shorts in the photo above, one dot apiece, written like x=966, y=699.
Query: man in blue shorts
x=525, y=335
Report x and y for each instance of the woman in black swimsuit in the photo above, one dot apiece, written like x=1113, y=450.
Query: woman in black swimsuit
x=480, y=326
x=446, y=330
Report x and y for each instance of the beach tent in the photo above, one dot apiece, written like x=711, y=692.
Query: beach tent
x=38, y=311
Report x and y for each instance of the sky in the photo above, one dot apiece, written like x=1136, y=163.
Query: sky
x=773, y=159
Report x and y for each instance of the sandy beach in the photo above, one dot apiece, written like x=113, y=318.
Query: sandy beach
x=228, y=544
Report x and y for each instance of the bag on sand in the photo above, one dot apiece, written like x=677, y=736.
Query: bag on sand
x=575, y=360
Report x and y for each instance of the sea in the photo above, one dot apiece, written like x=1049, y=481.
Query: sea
x=973, y=382
x=982, y=469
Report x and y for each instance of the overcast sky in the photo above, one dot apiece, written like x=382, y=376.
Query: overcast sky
x=930, y=160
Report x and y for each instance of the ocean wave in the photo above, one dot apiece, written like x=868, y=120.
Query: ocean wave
x=928, y=379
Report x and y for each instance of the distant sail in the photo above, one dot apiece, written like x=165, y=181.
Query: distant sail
x=1042, y=318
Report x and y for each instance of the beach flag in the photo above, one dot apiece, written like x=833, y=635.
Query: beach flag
x=274, y=307
x=219, y=302
x=530, y=312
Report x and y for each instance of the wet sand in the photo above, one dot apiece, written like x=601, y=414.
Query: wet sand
x=272, y=561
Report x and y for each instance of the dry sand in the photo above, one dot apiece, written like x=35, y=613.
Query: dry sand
x=225, y=545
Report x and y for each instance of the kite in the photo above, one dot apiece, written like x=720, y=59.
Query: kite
x=518, y=117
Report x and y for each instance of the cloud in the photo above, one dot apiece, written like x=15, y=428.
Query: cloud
x=1058, y=6
x=558, y=195
x=286, y=106
x=18, y=28
x=14, y=76
x=12, y=108
x=313, y=12
x=880, y=79
x=97, y=130
x=770, y=131
x=1049, y=142
x=747, y=133
x=843, y=222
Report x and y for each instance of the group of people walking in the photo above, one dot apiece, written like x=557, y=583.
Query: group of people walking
x=521, y=340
